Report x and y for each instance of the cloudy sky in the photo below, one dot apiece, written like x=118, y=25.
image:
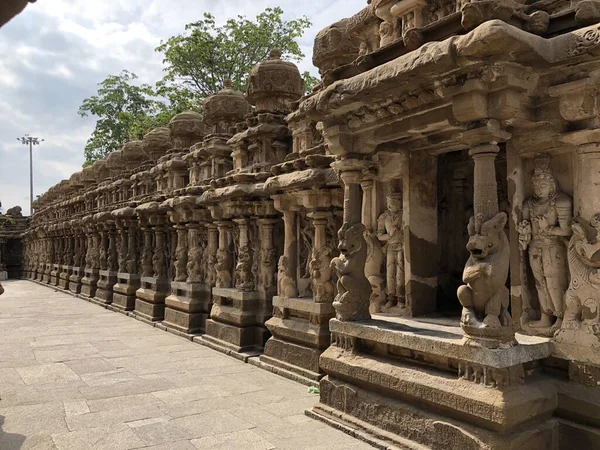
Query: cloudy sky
x=54, y=54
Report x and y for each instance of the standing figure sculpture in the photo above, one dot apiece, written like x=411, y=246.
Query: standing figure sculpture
x=543, y=232
x=389, y=232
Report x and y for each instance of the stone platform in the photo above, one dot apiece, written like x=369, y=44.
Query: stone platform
x=77, y=376
x=407, y=382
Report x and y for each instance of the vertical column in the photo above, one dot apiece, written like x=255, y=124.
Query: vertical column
x=112, y=263
x=181, y=253
x=122, y=247
x=159, y=259
x=224, y=257
x=420, y=223
x=244, y=279
x=587, y=194
x=485, y=319
x=132, y=250
x=103, y=248
x=288, y=263
x=352, y=300
x=268, y=255
x=147, y=253
x=213, y=246
x=320, y=264
x=194, y=257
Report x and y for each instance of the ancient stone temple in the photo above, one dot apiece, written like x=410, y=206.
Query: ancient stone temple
x=419, y=235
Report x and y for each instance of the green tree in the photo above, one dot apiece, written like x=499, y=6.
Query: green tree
x=309, y=81
x=121, y=107
x=196, y=65
x=206, y=54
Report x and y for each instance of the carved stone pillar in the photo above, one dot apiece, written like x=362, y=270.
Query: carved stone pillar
x=150, y=297
x=352, y=299
x=67, y=267
x=181, y=253
x=420, y=219
x=188, y=306
x=78, y=268
x=485, y=318
x=244, y=279
x=224, y=256
x=213, y=247
x=288, y=263
x=124, y=292
x=108, y=260
x=92, y=268
x=58, y=253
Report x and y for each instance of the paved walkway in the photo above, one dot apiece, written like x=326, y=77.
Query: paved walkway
x=74, y=376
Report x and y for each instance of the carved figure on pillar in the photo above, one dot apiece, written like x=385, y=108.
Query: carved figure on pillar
x=581, y=324
x=543, y=233
x=390, y=233
x=122, y=250
x=321, y=274
x=485, y=298
x=181, y=254
x=243, y=269
x=159, y=258
x=351, y=289
x=223, y=268
x=286, y=287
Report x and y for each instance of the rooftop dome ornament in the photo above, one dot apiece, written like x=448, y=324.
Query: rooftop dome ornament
x=133, y=155
x=157, y=143
x=187, y=128
x=274, y=84
x=225, y=108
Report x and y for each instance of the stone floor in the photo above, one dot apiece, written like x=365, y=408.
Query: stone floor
x=74, y=376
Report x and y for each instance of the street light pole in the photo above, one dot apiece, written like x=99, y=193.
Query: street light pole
x=31, y=141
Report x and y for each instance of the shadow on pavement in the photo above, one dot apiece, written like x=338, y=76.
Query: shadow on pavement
x=10, y=441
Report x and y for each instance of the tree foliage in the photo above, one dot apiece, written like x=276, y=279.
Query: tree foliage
x=120, y=107
x=207, y=54
x=197, y=63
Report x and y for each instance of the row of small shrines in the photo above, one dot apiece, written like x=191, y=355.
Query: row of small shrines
x=199, y=225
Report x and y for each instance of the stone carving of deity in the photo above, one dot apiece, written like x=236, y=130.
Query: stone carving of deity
x=543, y=233
x=243, y=270
x=389, y=232
x=321, y=274
x=268, y=260
x=223, y=268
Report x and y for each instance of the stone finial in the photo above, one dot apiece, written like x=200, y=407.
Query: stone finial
x=225, y=108
x=157, y=143
x=334, y=47
x=133, y=154
x=187, y=128
x=274, y=84
x=114, y=163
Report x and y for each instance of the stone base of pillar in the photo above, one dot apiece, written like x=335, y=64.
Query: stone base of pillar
x=124, y=292
x=75, y=280
x=89, y=283
x=47, y=273
x=300, y=329
x=3, y=275
x=55, y=274
x=150, y=298
x=106, y=283
x=413, y=383
x=233, y=322
x=188, y=307
x=64, y=277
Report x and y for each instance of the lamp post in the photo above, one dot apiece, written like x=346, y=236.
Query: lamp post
x=31, y=141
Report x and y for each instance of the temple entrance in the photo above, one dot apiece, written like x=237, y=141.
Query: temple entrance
x=455, y=208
